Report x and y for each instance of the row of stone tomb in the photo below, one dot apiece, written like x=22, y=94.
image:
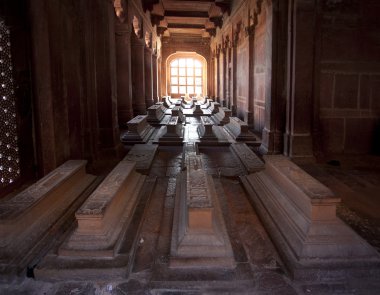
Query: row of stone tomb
x=170, y=115
x=298, y=211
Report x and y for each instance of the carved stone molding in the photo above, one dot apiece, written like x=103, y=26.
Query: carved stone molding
x=217, y=20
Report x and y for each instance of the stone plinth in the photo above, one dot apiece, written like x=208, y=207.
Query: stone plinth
x=105, y=214
x=222, y=117
x=172, y=133
x=139, y=130
x=205, y=130
x=197, y=111
x=239, y=130
x=214, y=108
x=199, y=235
x=155, y=114
x=143, y=155
x=300, y=214
x=27, y=218
x=249, y=159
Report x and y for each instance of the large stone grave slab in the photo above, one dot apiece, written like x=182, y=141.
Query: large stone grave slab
x=27, y=218
x=104, y=240
x=199, y=235
x=300, y=215
x=171, y=134
x=248, y=158
x=139, y=131
x=143, y=155
x=238, y=129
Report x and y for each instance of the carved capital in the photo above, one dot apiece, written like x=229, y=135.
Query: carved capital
x=120, y=9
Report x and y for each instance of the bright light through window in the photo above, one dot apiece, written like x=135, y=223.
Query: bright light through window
x=186, y=76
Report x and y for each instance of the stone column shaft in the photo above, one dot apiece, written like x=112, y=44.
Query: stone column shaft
x=138, y=77
x=123, y=67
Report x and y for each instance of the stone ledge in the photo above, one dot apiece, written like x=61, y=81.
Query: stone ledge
x=25, y=229
x=105, y=213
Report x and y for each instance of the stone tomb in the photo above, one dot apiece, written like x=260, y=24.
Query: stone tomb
x=104, y=240
x=300, y=215
x=197, y=111
x=156, y=113
x=171, y=134
x=239, y=130
x=104, y=215
x=251, y=162
x=209, y=134
x=222, y=117
x=139, y=130
x=214, y=108
x=199, y=235
x=143, y=155
x=167, y=102
x=27, y=218
x=177, y=112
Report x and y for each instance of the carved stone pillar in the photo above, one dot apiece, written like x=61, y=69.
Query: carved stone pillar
x=123, y=67
x=138, y=77
x=298, y=136
x=234, y=68
x=251, y=73
x=217, y=75
x=148, y=77
x=155, y=78
x=275, y=107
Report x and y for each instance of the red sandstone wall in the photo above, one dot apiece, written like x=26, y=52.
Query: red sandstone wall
x=349, y=83
x=263, y=62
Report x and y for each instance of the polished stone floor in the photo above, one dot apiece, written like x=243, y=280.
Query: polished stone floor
x=259, y=268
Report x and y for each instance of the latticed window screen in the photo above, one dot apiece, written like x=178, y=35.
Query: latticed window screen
x=186, y=76
x=9, y=156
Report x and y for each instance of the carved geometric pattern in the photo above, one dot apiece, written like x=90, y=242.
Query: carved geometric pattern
x=9, y=156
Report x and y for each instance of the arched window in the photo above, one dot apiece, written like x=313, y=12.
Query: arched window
x=186, y=75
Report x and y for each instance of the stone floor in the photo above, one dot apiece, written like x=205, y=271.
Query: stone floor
x=259, y=268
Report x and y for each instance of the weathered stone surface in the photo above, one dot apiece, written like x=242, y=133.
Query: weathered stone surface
x=139, y=131
x=26, y=218
x=249, y=159
x=143, y=155
x=155, y=114
x=300, y=214
x=172, y=133
x=239, y=130
x=199, y=236
x=105, y=213
x=222, y=117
